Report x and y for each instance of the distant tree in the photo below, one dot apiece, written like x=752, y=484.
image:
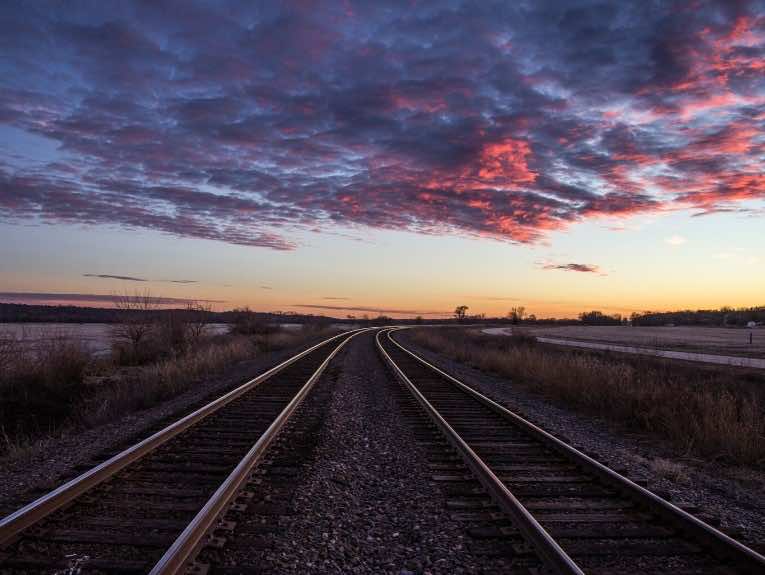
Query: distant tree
x=517, y=314
x=418, y=319
x=704, y=317
x=599, y=318
x=459, y=312
x=247, y=322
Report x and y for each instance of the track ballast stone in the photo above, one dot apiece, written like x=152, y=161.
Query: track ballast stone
x=367, y=503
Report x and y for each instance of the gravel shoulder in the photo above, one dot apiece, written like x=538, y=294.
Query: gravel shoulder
x=42, y=467
x=367, y=504
x=733, y=495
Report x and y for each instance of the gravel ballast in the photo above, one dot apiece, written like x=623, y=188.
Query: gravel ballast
x=730, y=495
x=366, y=503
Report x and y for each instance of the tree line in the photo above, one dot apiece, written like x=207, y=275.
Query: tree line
x=724, y=316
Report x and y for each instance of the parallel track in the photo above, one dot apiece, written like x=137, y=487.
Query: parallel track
x=576, y=514
x=152, y=507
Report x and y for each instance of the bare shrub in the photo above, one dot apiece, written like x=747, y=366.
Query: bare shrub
x=170, y=338
x=166, y=378
x=148, y=385
x=705, y=411
x=42, y=387
x=138, y=323
x=247, y=322
x=62, y=361
x=9, y=350
x=40, y=383
x=197, y=322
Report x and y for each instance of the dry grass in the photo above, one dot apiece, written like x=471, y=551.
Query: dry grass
x=672, y=470
x=151, y=384
x=40, y=383
x=58, y=384
x=703, y=411
x=148, y=385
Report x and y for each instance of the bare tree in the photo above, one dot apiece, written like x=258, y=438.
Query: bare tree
x=138, y=321
x=459, y=312
x=517, y=314
x=197, y=321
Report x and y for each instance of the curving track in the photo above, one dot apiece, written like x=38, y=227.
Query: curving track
x=152, y=507
x=574, y=513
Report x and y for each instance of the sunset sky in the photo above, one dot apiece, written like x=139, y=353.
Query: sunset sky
x=395, y=157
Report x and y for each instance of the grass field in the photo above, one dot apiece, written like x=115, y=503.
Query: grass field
x=723, y=341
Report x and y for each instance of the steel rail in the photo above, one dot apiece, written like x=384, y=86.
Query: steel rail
x=722, y=543
x=551, y=553
x=188, y=543
x=15, y=523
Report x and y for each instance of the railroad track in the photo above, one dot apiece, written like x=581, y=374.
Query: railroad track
x=154, y=506
x=543, y=499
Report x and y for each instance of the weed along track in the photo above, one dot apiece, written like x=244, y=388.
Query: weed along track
x=541, y=500
x=155, y=506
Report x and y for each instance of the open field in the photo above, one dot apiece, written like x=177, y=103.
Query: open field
x=724, y=341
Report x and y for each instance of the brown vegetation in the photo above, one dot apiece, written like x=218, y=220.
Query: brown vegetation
x=135, y=389
x=144, y=335
x=57, y=383
x=39, y=384
x=709, y=411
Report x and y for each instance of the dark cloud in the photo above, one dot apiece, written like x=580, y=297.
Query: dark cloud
x=107, y=276
x=585, y=268
x=135, y=279
x=64, y=298
x=491, y=119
